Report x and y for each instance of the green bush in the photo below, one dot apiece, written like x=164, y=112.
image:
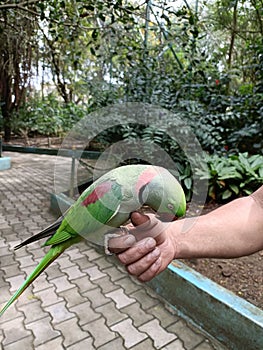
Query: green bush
x=233, y=176
x=46, y=116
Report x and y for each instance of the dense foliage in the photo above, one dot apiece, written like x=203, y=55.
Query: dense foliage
x=61, y=60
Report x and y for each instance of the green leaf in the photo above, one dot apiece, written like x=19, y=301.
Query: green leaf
x=188, y=183
x=226, y=194
x=234, y=188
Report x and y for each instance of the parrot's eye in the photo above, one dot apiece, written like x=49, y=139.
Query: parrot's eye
x=170, y=206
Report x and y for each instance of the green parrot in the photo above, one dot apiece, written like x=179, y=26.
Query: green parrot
x=106, y=205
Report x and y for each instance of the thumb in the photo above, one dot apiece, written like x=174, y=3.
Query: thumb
x=146, y=226
x=138, y=219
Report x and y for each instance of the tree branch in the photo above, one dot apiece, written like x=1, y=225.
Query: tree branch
x=20, y=5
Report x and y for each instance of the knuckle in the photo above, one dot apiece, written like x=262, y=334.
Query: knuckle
x=124, y=258
x=132, y=270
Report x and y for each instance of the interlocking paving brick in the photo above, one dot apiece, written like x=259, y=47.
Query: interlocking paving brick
x=102, y=262
x=94, y=273
x=24, y=343
x=92, y=254
x=114, y=273
x=74, y=253
x=11, y=314
x=85, y=344
x=96, y=298
x=85, y=313
x=128, y=285
x=33, y=312
x=73, y=272
x=159, y=335
x=138, y=315
x=84, y=284
x=59, y=312
x=71, y=332
x=62, y=283
x=53, y=271
x=129, y=333
x=5, y=293
x=190, y=338
x=41, y=283
x=7, y=260
x=4, y=251
x=164, y=316
x=144, y=299
x=55, y=344
x=115, y=344
x=72, y=297
x=111, y=314
x=175, y=345
x=42, y=330
x=106, y=285
x=120, y=298
x=64, y=262
x=15, y=282
x=37, y=253
x=48, y=296
x=100, y=332
x=26, y=261
x=83, y=263
x=8, y=328
x=146, y=344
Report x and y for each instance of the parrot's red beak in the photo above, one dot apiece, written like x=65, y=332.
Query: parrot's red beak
x=167, y=217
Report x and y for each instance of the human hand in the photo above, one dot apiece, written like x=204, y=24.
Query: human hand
x=148, y=250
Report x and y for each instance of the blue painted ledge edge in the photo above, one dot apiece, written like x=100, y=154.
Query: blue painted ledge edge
x=5, y=163
x=218, y=292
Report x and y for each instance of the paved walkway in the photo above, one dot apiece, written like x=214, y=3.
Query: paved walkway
x=82, y=301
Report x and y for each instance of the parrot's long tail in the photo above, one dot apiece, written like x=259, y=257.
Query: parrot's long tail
x=51, y=255
x=47, y=232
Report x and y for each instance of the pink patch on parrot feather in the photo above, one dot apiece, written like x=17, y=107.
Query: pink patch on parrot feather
x=97, y=193
x=145, y=177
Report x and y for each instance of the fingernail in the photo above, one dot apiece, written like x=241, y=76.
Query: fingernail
x=150, y=243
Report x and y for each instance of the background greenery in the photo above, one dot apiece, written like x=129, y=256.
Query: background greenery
x=61, y=60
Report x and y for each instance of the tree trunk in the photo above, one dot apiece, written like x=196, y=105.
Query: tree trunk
x=7, y=123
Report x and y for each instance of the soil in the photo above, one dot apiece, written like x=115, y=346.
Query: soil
x=243, y=276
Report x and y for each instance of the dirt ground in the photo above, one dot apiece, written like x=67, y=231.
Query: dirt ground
x=243, y=276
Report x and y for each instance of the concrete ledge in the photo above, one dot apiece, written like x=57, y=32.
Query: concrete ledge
x=228, y=318
x=5, y=163
x=59, y=203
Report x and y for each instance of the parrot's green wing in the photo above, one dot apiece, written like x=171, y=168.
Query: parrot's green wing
x=94, y=209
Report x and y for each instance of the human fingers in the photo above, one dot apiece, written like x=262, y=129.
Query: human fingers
x=146, y=267
x=121, y=243
x=145, y=226
x=137, y=251
x=141, y=226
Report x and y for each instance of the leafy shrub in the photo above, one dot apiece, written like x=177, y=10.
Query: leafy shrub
x=232, y=176
x=46, y=116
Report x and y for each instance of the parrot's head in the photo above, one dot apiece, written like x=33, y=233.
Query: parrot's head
x=165, y=195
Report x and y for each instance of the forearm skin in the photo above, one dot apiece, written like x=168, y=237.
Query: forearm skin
x=233, y=230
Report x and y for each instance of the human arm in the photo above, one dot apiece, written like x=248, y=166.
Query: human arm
x=233, y=230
